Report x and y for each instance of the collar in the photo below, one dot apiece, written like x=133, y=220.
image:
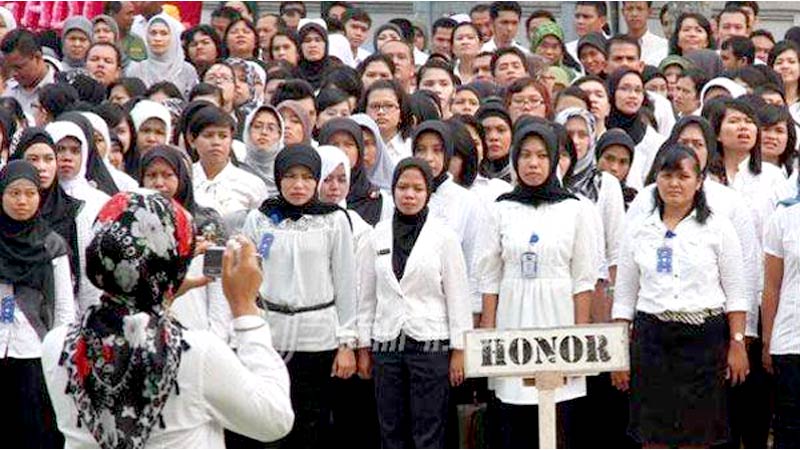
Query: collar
x=654, y=221
x=200, y=172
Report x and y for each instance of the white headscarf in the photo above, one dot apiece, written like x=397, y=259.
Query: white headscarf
x=382, y=172
x=62, y=129
x=168, y=65
x=100, y=126
x=123, y=181
x=735, y=89
x=8, y=19
x=332, y=157
x=148, y=109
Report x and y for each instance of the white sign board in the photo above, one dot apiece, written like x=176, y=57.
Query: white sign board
x=574, y=350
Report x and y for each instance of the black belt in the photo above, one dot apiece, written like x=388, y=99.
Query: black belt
x=289, y=310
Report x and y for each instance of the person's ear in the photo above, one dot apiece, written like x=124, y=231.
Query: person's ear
x=640, y=66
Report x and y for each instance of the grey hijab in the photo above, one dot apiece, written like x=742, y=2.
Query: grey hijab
x=382, y=172
x=79, y=23
x=258, y=161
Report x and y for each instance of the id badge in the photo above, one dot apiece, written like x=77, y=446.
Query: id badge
x=7, y=306
x=664, y=260
x=530, y=265
x=265, y=245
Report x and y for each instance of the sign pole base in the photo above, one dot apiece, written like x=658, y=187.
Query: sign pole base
x=547, y=383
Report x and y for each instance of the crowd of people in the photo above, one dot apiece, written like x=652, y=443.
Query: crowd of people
x=377, y=201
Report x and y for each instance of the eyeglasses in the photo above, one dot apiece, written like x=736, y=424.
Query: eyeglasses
x=530, y=100
x=386, y=107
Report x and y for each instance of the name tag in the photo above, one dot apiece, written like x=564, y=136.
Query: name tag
x=265, y=245
x=530, y=265
x=664, y=260
x=7, y=306
x=384, y=251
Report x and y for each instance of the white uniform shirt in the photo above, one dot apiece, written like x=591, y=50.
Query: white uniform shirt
x=463, y=212
x=654, y=48
x=19, y=339
x=611, y=206
x=430, y=302
x=398, y=148
x=88, y=293
x=782, y=240
x=204, y=308
x=488, y=189
x=310, y=262
x=566, y=259
x=643, y=156
x=663, y=112
x=707, y=270
x=232, y=190
x=491, y=46
x=248, y=395
x=723, y=201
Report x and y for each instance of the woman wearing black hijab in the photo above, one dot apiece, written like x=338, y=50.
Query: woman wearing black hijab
x=37, y=296
x=414, y=291
x=314, y=51
x=538, y=252
x=364, y=198
x=308, y=289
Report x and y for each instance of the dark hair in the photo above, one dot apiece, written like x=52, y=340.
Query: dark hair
x=509, y=51
x=206, y=89
x=13, y=107
x=701, y=20
x=771, y=115
x=770, y=88
x=114, y=115
x=134, y=86
x=294, y=5
x=188, y=36
x=375, y=57
x=716, y=164
x=343, y=77
x=330, y=5
x=440, y=65
x=600, y=7
x=406, y=27
x=683, y=123
x=424, y=106
x=250, y=26
x=750, y=75
x=404, y=127
x=573, y=91
x=116, y=49
x=539, y=13
x=672, y=156
x=293, y=90
x=733, y=10
x=519, y=85
x=465, y=149
x=211, y=116
x=443, y=22
x=166, y=87
x=781, y=47
x=743, y=4
x=624, y=39
x=290, y=34
x=111, y=8
x=465, y=24
x=57, y=98
x=496, y=7
x=89, y=89
x=762, y=32
x=472, y=122
x=226, y=12
x=22, y=41
x=357, y=14
x=479, y=8
x=328, y=97
x=698, y=77
x=741, y=47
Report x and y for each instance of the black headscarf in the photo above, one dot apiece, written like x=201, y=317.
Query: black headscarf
x=500, y=167
x=363, y=198
x=709, y=136
x=406, y=228
x=96, y=170
x=25, y=260
x=551, y=190
x=443, y=131
x=634, y=124
x=278, y=208
x=615, y=136
x=207, y=220
x=313, y=71
x=57, y=208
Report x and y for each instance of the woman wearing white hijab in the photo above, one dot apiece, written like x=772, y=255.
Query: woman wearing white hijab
x=123, y=181
x=735, y=90
x=9, y=23
x=165, y=59
x=147, y=139
x=76, y=186
x=334, y=184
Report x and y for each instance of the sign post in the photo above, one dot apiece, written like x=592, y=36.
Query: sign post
x=543, y=357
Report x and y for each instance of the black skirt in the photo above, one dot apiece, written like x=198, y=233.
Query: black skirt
x=678, y=386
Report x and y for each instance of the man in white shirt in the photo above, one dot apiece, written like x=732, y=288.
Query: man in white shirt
x=357, y=23
x=624, y=53
x=25, y=61
x=589, y=16
x=654, y=48
x=148, y=10
x=505, y=23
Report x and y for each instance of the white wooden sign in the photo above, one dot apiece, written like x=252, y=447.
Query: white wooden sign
x=547, y=355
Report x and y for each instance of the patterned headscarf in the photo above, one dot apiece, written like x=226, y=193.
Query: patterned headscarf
x=250, y=78
x=585, y=178
x=122, y=358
